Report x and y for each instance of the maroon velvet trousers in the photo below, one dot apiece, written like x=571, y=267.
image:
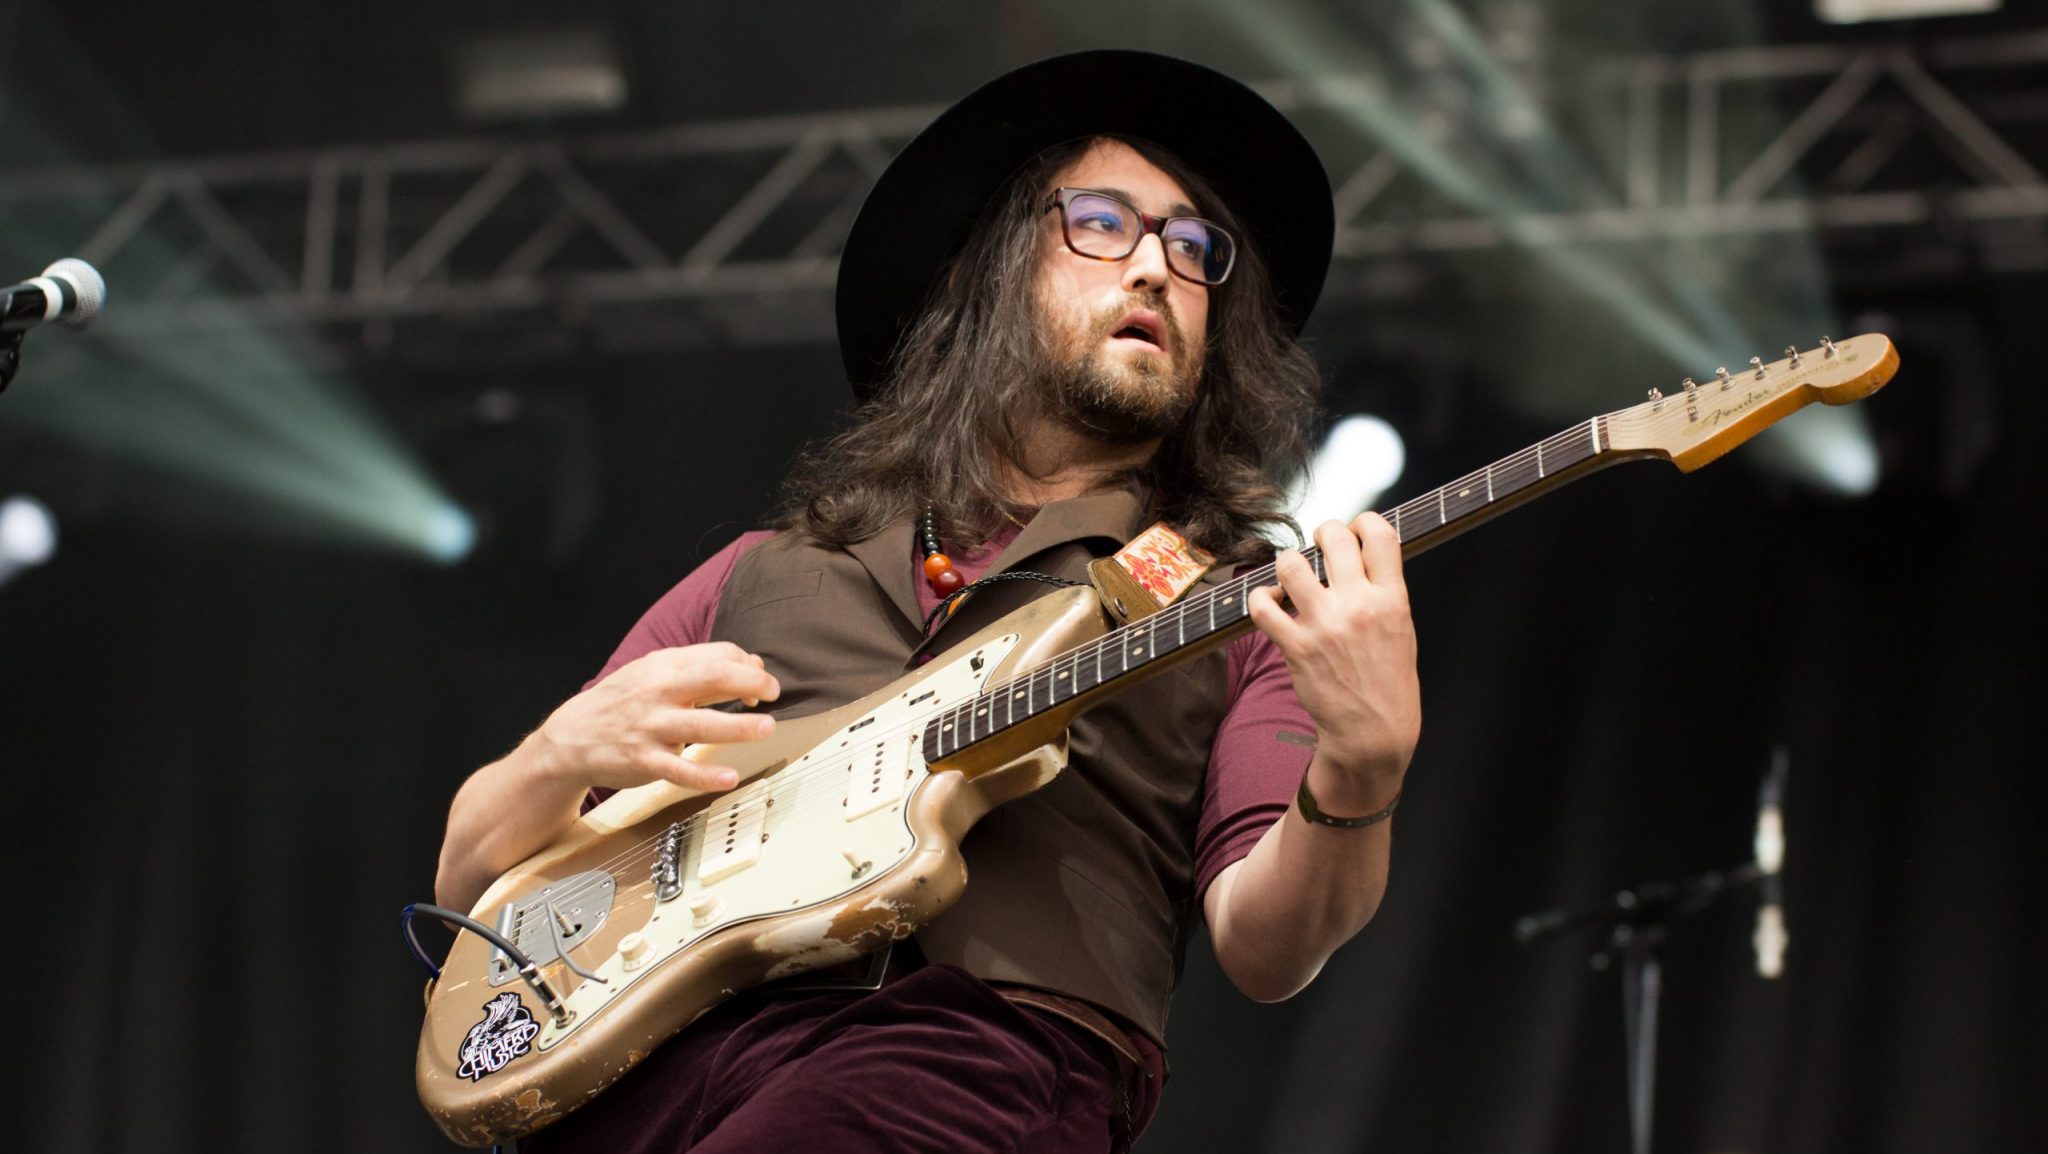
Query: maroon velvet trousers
x=935, y=1061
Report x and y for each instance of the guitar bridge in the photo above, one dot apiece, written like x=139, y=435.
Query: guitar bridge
x=581, y=903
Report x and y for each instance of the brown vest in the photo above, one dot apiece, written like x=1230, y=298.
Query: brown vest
x=1085, y=887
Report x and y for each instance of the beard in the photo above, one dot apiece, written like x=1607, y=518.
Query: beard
x=1122, y=395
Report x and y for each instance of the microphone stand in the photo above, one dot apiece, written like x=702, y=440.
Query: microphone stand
x=1636, y=921
x=10, y=357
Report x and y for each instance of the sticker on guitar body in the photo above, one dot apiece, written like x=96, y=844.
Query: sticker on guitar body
x=507, y=1031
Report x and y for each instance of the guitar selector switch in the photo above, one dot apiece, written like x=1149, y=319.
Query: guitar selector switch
x=859, y=861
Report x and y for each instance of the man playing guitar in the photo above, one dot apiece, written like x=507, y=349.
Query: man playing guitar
x=1069, y=308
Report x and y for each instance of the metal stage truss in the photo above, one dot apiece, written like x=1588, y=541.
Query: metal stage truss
x=729, y=231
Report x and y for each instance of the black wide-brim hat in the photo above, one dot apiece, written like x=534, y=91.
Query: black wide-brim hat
x=921, y=211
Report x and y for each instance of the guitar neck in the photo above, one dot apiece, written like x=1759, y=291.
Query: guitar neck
x=1076, y=679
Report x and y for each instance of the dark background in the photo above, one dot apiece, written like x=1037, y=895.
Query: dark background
x=232, y=749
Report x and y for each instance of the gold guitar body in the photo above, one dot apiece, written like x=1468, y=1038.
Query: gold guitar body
x=839, y=839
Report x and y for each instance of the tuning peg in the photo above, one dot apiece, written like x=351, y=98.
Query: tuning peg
x=1792, y=353
x=1757, y=363
x=1721, y=375
x=1692, y=399
x=1656, y=399
x=1829, y=345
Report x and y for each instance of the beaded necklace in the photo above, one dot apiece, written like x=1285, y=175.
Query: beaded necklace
x=939, y=572
x=945, y=579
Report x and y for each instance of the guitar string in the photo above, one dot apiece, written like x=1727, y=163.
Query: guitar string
x=645, y=848
x=1227, y=591
x=987, y=700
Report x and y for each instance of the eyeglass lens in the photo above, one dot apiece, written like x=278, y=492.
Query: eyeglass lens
x=1104, y=227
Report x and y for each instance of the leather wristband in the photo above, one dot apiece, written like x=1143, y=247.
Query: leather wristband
x=1310, y=811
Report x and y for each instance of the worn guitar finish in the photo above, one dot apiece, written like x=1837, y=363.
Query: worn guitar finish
x=845, y=832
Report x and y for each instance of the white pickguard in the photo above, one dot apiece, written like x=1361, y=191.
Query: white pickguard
x=808, y=834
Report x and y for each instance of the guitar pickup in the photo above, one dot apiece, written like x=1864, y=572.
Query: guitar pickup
x=875, y=781
x=732, y=837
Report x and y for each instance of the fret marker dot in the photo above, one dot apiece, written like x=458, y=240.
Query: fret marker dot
x=1063, y=673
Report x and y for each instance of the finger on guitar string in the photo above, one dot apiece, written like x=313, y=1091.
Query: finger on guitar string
x=1379, y=549
x=1298, y=581
x=1341, y=563
x=690, y=774
x=1263, y=605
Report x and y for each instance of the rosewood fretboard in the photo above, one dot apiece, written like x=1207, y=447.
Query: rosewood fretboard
x=1217, y=614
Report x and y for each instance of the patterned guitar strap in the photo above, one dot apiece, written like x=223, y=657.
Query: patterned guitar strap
x=1156, y=569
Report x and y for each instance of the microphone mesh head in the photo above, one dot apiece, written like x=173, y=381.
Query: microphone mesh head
x=84, y=280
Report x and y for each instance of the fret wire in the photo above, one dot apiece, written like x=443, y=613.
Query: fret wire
x=965, y=718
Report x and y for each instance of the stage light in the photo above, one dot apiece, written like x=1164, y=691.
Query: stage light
x=28, y=535
x=1673, y=294
x=1360, y=459
x=1861, y=11
x=1826, y=447
x=253, y=427
x=539, y=75
x=450, y=534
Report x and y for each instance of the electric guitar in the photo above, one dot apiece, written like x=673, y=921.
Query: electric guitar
x=844, y=834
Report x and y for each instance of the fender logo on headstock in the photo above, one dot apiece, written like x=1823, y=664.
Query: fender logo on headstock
x=1749, y=401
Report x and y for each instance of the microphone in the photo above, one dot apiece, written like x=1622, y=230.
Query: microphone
x=70, y=292
x=1770, y=938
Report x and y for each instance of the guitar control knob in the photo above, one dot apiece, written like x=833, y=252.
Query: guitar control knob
x=633, y=950
x=702, y=907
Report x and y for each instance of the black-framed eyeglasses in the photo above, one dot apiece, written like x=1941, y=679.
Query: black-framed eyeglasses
x=1105, y=226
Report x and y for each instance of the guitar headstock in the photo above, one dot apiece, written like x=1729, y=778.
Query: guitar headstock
x=1704, y=420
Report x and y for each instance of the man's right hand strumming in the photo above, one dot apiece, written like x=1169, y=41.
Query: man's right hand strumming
x=627, y=730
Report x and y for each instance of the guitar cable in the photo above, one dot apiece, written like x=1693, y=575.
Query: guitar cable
x=528, y=971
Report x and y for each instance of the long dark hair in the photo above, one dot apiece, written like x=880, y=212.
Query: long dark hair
x=960, y=398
